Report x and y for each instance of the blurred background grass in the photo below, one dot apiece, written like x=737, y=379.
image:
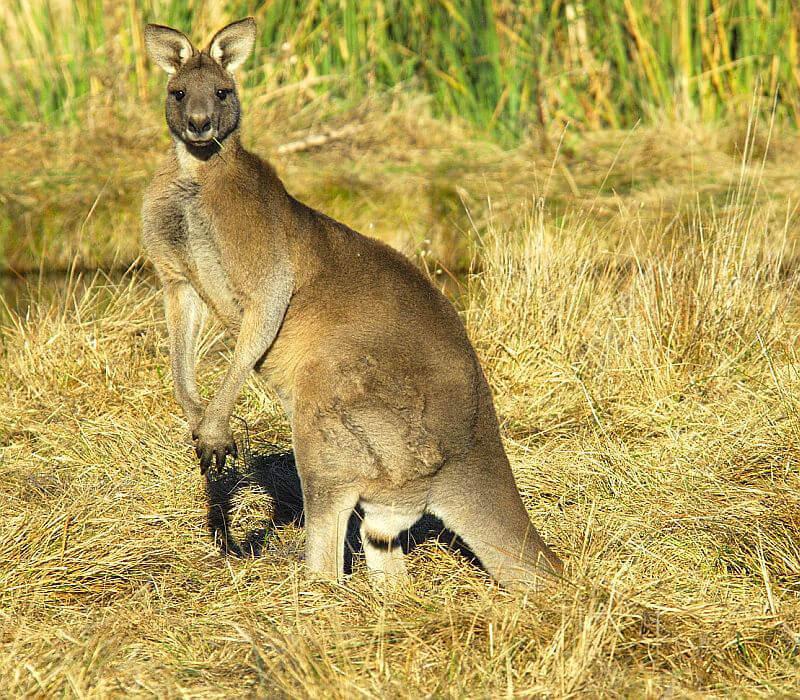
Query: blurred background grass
x=444, y=105
x=503, y=66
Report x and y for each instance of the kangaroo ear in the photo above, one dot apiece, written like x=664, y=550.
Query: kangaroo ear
x=168, y=47
x=231, y=45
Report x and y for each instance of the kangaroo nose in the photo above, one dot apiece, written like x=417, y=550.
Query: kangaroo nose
x=199, y=125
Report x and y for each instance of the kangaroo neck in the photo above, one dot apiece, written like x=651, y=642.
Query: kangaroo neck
x=194, y=161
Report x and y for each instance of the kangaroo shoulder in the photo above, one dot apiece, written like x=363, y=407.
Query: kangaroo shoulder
x=162, y=216
x=164, y=176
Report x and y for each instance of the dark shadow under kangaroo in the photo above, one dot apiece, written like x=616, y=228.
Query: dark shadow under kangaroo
x=274, y=472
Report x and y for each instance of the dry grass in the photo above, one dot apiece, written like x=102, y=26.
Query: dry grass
x=641, y=341
x=72, y=194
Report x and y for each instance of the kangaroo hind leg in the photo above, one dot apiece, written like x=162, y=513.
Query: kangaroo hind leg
x=380, y=530
x=327, y=514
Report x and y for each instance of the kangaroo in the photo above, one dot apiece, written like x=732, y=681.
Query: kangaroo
x=388, y=404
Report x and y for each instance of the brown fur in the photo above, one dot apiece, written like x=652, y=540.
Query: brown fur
x=388, y=404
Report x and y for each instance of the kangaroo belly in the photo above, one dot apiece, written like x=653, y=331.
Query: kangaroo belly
x=293, y=346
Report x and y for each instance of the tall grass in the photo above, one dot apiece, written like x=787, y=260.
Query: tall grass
x=649, y=403
x=502, y=65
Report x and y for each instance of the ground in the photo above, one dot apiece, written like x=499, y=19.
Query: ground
x=633, y=298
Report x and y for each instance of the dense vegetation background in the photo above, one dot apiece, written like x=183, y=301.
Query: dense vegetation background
x=504, y=66
x=608, y=192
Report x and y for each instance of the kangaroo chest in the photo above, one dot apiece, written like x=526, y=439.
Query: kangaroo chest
x=203, y=263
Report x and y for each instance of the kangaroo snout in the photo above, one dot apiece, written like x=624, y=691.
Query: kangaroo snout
x=199, y=124
x=199, y=127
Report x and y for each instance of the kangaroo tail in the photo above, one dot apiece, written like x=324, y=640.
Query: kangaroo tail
x=485, y=509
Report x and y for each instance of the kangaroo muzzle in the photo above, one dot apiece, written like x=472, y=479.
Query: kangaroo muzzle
x=199, y=128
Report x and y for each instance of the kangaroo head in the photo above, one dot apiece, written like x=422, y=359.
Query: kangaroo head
x=202, y=106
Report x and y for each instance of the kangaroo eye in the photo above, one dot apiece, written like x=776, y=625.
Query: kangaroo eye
x=178, y=95
x=222, y=94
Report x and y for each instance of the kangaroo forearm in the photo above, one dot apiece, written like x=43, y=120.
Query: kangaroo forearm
x=183, y=311
x=260, y=325
x=185, y=391
x=221, y=407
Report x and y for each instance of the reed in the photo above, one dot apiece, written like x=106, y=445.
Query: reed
x=504, y=66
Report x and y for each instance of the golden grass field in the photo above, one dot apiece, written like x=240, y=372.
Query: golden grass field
x=633, y=296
